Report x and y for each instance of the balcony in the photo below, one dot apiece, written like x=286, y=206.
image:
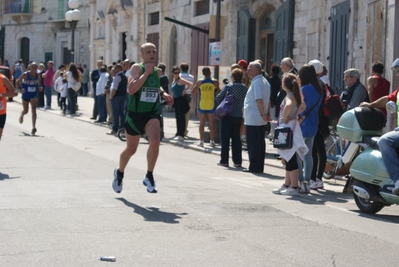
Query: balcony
x=18, y=10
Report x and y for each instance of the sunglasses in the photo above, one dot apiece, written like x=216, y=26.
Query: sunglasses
x=176, y=72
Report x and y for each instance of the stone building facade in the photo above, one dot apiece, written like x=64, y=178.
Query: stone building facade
x=36, y=30
x=340, y=33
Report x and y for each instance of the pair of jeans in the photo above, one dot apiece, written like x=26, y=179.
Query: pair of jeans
x=47, y=93
x=388, y=143
x=256, y=145
x=305, y=171
x=102, y=109
x=71, y=101
x=118, y=112
x=230, y=129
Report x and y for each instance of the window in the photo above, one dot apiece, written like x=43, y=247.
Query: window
x=201, y=8
x=153, y=18
x=61, y=9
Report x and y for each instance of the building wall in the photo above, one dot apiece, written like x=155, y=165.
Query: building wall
x=47, y=32
x=311, y=30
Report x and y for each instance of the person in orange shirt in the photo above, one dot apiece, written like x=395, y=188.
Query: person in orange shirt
x=6, y=90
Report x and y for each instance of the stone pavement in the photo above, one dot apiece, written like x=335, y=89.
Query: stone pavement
x=85, y=112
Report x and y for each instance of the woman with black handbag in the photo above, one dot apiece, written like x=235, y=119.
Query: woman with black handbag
x=290, y=107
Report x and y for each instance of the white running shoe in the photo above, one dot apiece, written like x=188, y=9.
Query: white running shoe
x=319, y=183
x=212, y=143
x=304, y=187
x=290, y=191
x=313, y=185
x=200, y=143
x=117, y=183
x=150, y=184
x=278, y=190
x=179, y=138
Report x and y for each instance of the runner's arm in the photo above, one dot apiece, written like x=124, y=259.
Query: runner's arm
x=11, y=92
x=136, y=79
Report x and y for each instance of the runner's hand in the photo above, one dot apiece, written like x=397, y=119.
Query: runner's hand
x=149, y=68
x=168, y=98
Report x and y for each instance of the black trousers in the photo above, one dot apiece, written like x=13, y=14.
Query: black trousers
x=230, y=129
x=319, y=157
x=95, y=107
x=256, y=147
x=180, y=104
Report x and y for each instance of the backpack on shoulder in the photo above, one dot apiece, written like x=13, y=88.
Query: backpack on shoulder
x=332, y=108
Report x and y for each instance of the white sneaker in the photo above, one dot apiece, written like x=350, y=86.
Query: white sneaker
x=278, y=190
x=179, y=138
x=212, y=143
x=313, y=185
x=290, y=192
x=117, y=183
x=396, y=189
x=320, y=184
x=304, y=187
x=200, y=143
x=150, y=184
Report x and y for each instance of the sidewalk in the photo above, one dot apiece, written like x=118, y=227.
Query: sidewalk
x=85, y=112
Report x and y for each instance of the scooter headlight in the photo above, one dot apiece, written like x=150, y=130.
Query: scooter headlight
x=391, y=107
x=395, y=65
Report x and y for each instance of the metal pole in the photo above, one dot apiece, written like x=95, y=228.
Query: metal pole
x=73, y=26
x=216, y=74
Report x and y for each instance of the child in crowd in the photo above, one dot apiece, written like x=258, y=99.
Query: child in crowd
x=64, y=95
x=57, y=88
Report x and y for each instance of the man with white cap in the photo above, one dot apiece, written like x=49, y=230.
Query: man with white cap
x=318, y=149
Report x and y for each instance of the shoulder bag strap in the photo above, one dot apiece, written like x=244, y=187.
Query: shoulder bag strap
x=310, y=110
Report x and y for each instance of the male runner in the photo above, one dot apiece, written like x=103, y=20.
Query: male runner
x=31, y=83
x=143, y=115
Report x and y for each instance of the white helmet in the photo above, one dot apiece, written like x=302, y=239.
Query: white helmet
x=395, y=65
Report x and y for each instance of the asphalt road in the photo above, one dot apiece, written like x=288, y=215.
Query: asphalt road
x=58, y=208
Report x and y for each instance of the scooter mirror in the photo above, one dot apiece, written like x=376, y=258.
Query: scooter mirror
x=391, y=107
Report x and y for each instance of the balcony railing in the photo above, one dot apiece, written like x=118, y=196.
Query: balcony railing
x=17, y=7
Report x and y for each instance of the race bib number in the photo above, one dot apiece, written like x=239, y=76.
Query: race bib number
x=149, y=95
x=31, y=89
x=1, y=104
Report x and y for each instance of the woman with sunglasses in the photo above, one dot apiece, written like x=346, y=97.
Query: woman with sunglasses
x=181, y=105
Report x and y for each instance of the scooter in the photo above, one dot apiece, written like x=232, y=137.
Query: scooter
x=369, y=181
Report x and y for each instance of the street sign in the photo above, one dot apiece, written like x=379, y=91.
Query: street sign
x=215, y=53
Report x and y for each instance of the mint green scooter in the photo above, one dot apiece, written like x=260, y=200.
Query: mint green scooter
x=369, y=180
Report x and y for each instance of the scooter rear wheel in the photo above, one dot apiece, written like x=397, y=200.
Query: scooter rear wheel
x=122, y=134
x=367, y=206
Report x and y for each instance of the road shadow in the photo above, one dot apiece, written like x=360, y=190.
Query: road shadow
x=4, y=176
x=322, y=197
x=378, y=217
x=153, y=214
x=25, y=134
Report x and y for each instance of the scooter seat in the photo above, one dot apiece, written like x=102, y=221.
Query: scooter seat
x=371, y=141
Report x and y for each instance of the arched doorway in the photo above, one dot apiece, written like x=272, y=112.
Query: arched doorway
x=24, y=52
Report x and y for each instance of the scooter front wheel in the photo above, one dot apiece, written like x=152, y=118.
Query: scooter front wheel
x=367, y=206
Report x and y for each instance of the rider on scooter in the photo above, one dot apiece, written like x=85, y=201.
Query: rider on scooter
x=389, y=142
